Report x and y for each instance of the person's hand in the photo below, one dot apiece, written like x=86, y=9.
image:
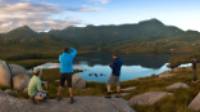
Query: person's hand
x=71, y=49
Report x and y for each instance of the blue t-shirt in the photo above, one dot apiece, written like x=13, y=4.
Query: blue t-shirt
x=66, y=61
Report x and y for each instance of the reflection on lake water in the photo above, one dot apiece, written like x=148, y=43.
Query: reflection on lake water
x=145, y=60
x=101, y=73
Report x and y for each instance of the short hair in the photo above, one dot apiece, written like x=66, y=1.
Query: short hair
x=36, y=72
x=115, y=54
x=66, y=49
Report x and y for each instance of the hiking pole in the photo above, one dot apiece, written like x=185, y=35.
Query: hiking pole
x=11, y=75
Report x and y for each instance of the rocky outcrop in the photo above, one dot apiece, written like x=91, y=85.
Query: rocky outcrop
x=128, y=89
x=21, y=81
x=19, y=75
x=178, y=85
x=83, y=104
x=194, y=105
x=148, y=98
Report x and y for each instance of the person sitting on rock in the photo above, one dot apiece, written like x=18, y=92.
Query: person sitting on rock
x=66, y=71
x=115, y=76
x=35, y=90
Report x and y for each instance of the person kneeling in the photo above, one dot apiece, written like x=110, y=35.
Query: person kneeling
x=35, y=90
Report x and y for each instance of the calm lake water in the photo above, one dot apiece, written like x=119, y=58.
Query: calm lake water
x=101, y=73
x=95, y=66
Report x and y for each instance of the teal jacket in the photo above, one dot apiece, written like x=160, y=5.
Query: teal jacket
x=66, y=61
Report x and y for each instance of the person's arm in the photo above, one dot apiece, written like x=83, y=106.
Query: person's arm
x=113, y=64
x=59, y=58
x=73, y=52
x=39, y=85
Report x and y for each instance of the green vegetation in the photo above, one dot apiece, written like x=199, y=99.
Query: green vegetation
x=180, y=99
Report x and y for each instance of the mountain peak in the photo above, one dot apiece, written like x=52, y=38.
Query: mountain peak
x=24, y=28
x=152, y=21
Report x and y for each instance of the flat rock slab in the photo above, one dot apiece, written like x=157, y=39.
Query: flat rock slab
x=128, y=89
x=148, y=98
x=83, y=104
x=195, y=104
x=178, y=85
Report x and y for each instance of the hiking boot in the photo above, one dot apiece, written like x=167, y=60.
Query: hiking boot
x=45, y=100
x=71, y=100
x=118, y=95
x=34, y=101
x=108, y=95
x=59, y=98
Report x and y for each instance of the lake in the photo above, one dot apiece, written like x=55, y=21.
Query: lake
x=95, y=66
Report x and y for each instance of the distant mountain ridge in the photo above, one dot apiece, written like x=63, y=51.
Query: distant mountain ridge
x=124, y=38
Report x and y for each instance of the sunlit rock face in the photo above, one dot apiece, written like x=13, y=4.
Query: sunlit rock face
x=19, y=75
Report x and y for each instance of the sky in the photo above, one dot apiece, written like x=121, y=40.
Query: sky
x=45, y=15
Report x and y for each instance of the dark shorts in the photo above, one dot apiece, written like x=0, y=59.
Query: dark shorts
x=66, y=77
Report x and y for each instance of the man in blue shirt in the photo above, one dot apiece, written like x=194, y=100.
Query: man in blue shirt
x=115, y=76
x=66, y=70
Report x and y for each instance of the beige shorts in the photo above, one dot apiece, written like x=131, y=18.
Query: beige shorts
x=114, y=80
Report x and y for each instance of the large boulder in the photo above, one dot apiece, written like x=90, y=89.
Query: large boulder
x=148, y=98
x=78, y=82
x=19, y=75
x=83, y=104
x=194, y=105
x=20, y=82
x=178, y=85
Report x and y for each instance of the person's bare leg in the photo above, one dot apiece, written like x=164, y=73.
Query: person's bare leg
x=38, y=99
x=118, y=88
x=70, y=92
x=108, y=94
x=59, y=93
x=108, y=88
x=118, y=91
x=71, y=95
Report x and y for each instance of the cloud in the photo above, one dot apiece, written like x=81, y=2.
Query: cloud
x=84, y=9
x=12, y=1
x=101, y=1
x=38, y=16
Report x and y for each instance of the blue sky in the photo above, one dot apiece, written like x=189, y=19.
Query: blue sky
x=64, y=13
